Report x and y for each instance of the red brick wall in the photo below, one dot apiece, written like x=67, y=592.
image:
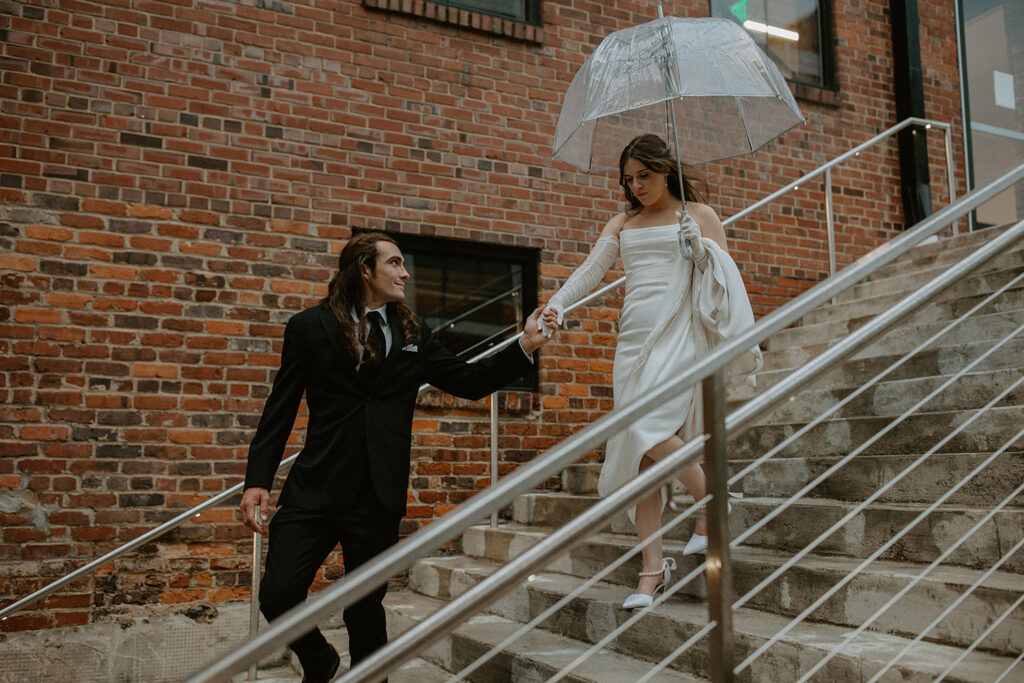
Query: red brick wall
x=178, y=177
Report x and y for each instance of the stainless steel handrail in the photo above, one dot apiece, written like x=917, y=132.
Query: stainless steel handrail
x=145, y=538
x=826, y=169
x=400, y=558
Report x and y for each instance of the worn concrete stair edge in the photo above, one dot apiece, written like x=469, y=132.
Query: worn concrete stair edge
x=963, y=431
x=536, y=656
x=975, y=286
x=936, y=314
x=416, y=670
x=866, y=474
x=854, y=481
x=894, y=397
x=789, y=594
x=803, y=522
x=596, y=612
x=904, y=338
x=912, y=278
x=935, y=252
x=947, y=360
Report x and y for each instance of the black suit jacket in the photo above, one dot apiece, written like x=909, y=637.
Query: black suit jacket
x=357, y=428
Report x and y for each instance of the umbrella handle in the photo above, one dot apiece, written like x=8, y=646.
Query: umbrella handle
x=684, y=247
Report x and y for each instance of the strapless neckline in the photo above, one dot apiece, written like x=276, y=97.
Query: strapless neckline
x=648, y=227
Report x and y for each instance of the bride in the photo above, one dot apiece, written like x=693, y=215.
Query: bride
x=675, y=310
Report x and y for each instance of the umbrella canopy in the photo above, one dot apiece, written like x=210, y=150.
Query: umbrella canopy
x=702, y=85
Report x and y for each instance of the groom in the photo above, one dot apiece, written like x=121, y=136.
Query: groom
x=359, y=358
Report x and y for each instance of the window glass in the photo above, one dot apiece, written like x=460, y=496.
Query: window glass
x=789, y=31
x=993, y=40
x=471, y=295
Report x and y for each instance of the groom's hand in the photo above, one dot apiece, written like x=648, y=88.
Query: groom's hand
x=533, y=338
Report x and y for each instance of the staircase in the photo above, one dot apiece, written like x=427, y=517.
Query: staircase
x=587, y=618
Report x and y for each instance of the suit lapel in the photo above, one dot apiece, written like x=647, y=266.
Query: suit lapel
x=332, y=328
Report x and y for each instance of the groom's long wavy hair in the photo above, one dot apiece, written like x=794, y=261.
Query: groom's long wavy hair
x=651, y=151
x=345, y=293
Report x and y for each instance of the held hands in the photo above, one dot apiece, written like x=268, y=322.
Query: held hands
x=250, y=499
x=550, y=319
x=533, y=336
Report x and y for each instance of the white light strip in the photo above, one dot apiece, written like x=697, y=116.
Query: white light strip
x=771, y=30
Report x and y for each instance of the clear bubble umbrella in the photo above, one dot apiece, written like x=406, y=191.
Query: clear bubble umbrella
x=702, y=85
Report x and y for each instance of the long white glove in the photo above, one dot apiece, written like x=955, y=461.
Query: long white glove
x=691, y=233
x=590, y=273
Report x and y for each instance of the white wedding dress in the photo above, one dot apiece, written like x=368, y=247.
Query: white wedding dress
x=671, y=316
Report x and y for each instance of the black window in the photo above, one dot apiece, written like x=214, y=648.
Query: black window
x=795, y=34
x=517, y=10
x=472, y=295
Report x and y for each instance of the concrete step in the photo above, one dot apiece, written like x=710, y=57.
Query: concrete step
x=934, y=312
x=597, y=611
x=864, y=475
x=537, y=656
x=892, y=398
x=904, y=338
x=804, y=521
x=912, y=277
x=789, y=594
x=855, y=481
x=943, y=360
x=985, y=433
x=867, y=530
x=797, y=589
x=937, y=251
x=581, y=478
x=290, y=671
x=978, y=284
x=544, y=508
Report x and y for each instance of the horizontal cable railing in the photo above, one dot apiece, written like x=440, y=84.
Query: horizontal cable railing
x=363, y=580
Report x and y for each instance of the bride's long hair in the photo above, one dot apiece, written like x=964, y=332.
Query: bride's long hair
x=651, y=151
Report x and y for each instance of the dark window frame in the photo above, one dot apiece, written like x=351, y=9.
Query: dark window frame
x=827, y=52
x=530, y=15
x=451, y=12
x=526, y=257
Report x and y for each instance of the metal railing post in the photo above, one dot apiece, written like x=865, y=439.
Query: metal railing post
x=494, y=451
x=950, y=180
x=719, y=571
x=254, y=599
x=830, y=222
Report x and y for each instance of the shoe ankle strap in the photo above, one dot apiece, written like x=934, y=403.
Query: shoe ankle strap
x=667, y=563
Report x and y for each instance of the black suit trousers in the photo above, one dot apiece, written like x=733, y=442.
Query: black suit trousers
x=300, y=541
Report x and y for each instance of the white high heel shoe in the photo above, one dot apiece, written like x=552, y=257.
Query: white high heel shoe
x=639, y=600
x=698, y=543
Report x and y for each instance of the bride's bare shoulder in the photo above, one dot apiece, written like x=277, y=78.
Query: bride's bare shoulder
x=613, y=227
x=709, y=222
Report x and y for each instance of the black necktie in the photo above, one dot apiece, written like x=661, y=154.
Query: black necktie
x=375, y=341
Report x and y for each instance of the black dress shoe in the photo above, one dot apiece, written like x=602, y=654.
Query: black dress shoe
x=326, y=675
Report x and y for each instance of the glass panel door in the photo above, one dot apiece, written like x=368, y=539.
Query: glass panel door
x=993, y=52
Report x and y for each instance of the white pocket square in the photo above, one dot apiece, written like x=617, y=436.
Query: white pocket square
x=411, y=347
